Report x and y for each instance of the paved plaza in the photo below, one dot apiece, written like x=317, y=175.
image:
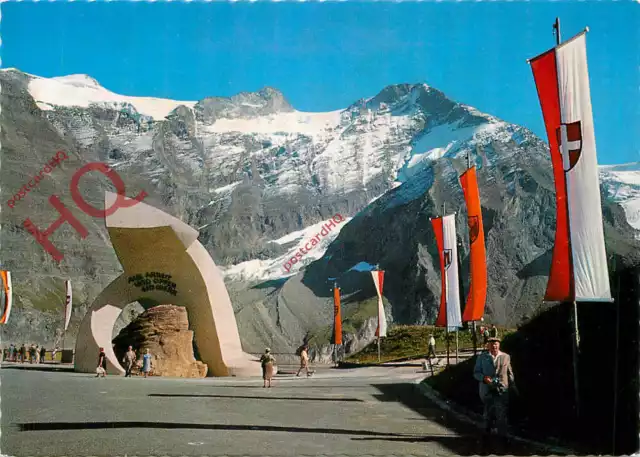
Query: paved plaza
x=369, y=411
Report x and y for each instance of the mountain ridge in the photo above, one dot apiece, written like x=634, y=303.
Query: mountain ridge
x=257, y=187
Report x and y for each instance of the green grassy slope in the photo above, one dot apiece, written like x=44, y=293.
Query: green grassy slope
x=411, y=341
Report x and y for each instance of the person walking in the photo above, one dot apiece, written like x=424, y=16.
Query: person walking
x=22, y=353
x=102, y=364
x=267, y=361
x=146, y=362
x=129, y=361
x=304, y=361
x=485, y=336
x=43, y=353
x=495, y=377
x=493, y=333
x=432, y=347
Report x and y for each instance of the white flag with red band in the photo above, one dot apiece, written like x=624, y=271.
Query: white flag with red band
x=579, y=267
x=68, y=304
x=378, y=281
x=445, y=230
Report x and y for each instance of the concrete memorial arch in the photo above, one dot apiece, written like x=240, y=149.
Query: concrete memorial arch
x=163, y=261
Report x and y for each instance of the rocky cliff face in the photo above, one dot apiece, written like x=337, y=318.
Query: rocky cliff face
x=164, y=330
x=259, y=180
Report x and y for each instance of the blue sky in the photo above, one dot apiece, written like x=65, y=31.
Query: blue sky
x=325, y=56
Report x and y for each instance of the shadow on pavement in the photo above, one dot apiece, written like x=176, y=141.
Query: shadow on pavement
x=48, y=426
x=284, y=386
x=258, y=397
x=462, y=445
x=470, y=440
x=39, y=367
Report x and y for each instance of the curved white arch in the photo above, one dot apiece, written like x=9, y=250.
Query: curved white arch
x=163, y=261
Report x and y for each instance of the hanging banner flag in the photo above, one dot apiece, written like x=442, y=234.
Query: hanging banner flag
x=445, y=231
x=579, y=267
x=474, y=308
x=378, y=280
x=68, y=304
x=337, y=319
x=7, y=296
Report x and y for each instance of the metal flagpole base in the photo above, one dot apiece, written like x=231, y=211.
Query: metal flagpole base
x=448, y=345
x=576, y=353
x=456, y=346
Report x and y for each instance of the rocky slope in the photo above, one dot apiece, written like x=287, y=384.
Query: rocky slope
x=259, y=179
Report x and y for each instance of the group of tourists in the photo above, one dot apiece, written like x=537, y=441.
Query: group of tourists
x=268, y=362
x=130, y=362
x=22, y=354
x=488, y=332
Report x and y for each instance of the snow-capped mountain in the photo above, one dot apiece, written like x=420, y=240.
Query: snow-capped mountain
x=622, y=185
x=259, y=179
x=83, y=91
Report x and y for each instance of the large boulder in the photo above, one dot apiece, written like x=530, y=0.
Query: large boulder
x=164, y=330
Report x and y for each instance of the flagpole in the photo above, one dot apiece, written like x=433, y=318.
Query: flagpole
x=574, y=308
x=616, y=362
x=460, y=283
x=64, y=319
x=456, y=333
x=556, y=29
x=576, y=352
x=475, y=338
x=335, y=346
x=379, y=326
x=446, y=316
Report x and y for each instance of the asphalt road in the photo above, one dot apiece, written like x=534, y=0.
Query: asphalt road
x=371, y=411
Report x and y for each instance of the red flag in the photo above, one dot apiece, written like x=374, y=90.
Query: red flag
x=579, y=267
x=474, y=309
x=337, y=319
x=441, y=321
